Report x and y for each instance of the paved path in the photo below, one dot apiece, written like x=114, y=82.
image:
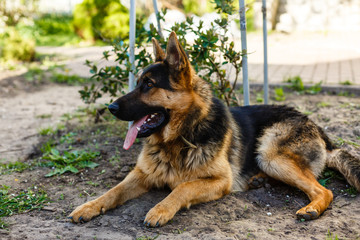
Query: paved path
x=333, y=58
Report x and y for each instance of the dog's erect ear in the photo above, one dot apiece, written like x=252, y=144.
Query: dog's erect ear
x=175, y=54
x=158, y=52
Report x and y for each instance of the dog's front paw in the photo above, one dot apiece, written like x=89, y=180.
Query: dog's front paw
x=159, y=215
x=86, y=212
x=307, y=213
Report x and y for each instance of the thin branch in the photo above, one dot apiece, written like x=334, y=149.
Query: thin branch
x=118, y=80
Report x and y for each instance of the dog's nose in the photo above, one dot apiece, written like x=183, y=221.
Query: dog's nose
x=113, y=108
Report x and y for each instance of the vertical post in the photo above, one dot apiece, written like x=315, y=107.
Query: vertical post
x=132, y=47
x=266, y=83
x=244, y=53
x=157, y=17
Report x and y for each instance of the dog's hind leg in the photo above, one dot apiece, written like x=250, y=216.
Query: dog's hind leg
x=286, y=169
x=294, y=152
x=131, y=187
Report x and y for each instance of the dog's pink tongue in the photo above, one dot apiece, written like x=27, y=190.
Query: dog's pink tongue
x=132, y=133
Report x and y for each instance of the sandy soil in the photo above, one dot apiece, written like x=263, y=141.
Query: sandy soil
x=264, y=213
x=26, y=108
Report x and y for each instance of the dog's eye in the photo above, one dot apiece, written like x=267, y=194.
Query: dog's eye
x=149, y=84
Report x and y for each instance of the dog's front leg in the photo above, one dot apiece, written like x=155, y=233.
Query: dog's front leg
x=131, y=187
x=184, y=195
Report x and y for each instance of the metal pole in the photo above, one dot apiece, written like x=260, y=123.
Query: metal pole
x=244, y=53
x=157, y=18
x=266, y=82
x=132, y=47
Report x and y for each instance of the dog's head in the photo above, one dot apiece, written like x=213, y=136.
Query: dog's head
x=164, y=93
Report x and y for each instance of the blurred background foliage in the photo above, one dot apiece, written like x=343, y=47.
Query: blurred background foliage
x=97, y=19
x=91, y=22
x=50, y=30
x=15, y=47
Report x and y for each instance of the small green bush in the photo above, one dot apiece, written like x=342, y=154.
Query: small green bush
x=49, y=24
x=15, y=47
x=50, y=30
x=96, y=19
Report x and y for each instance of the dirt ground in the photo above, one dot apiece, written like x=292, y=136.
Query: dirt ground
x=264, y=213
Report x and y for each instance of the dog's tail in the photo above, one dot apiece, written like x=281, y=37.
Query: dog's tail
x=346, y=164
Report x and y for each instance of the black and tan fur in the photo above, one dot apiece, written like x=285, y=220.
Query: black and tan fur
x=203, y=150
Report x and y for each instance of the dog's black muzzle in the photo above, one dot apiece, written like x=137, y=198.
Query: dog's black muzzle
x=113, y=108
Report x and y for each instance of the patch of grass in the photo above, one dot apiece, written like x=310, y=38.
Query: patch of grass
x=259, y=97
x=46, y=131
x=91, y=183
x=307, y=112
x=3, y=225
x=69, y=161
x=340, y=141
x=298, y=86
x=61, y=197
x=78, y=114
x=327, y=175
x=323, y=104
x=35, y=74
x=8, y=65
x=43, y=116
x=346, y=94
x=47, y=146
x=49, y=71
x=330, y=236
x=324, y=181
x=115, y=160
x=315, y=89
x=352, y=191
x=346, y=83
x=279, y=94
x=68, y=138
x=245, y=208
x=24, y=201
x=68, y=79
x=179, y=231
x=147, y=238
x=323, y=118
x=350, y=106
x=13, y=167
x=60, y=127
x=90, y=110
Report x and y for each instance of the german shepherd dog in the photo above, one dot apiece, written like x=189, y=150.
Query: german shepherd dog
x=204, y=150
